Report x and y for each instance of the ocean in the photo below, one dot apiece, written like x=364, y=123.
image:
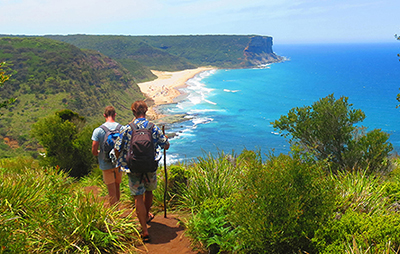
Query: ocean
x=231, y=110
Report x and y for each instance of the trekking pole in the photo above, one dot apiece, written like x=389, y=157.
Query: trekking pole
x=166, y=177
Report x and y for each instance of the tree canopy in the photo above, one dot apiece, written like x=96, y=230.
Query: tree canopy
x=327, y=130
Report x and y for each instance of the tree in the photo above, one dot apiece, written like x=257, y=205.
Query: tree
x=398, y=38
x=66, y=141
x=326, y=131
x=3, y=78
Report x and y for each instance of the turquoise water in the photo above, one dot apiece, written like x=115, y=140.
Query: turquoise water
x=229, y=110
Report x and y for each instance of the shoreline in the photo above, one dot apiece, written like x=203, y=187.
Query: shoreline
x=164, y=89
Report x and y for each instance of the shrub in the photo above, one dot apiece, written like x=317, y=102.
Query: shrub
x=67, y=143
x=280, y=204
x=211, y=229
x=370, y=232
x=363, y=219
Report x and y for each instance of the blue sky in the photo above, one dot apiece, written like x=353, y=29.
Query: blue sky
x=288, y=21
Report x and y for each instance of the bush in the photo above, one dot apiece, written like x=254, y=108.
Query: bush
x=364, y=218
x=211, y=228
x=67, y=143
x=281, y=204
x=370, y=232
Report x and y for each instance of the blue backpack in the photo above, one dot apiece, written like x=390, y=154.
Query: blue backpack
x=109, y=141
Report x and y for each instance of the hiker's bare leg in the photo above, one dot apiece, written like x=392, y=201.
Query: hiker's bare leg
x=117, y=191
x=112, y=193
x=148, y=201
x=141, y=213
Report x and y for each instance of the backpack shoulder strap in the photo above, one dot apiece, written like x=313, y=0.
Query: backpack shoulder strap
x=104, y=128
x=133, y=126
x=150, y=125
x=118, y=127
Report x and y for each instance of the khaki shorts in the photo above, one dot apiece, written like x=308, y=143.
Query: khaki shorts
x=112, y=175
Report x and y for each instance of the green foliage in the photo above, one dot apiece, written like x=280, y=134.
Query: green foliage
x=223, y=51
x=211, y=229
x=177, y=182
x=370, y=231
x=210, y=177
x=326, y=130
x=43, y=211
x=360, y=192
x=393, y=187
x=66, y=142
x=281, y=204
x=4, y=78
x=365, y=217
x=131, y=50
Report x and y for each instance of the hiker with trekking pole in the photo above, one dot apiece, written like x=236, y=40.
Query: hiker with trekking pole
x=138, y=150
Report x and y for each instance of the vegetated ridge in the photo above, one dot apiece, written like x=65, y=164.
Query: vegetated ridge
x=51, y=75
x=174, y=53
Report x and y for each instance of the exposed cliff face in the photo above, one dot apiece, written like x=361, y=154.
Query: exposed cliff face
x=259, y=52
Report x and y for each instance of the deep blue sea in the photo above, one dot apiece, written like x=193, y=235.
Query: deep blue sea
x=229, y=110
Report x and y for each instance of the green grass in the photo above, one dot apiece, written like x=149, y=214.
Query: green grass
x=44, y=211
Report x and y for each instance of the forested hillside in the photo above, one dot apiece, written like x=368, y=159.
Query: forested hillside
x=131, y=51
x=173, y=53
x=49, y=75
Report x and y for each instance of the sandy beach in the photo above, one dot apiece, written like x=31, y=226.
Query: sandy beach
x=164, y=89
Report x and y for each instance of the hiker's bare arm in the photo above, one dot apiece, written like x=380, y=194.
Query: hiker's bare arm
x=116, y=153
x=95, y=147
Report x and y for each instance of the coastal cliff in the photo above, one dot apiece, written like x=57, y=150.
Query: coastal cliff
x=259, y=52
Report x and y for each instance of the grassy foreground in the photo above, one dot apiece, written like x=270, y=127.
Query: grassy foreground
x=237, y=204
x=42, y=210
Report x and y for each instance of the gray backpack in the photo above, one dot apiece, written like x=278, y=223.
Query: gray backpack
x=109, y=141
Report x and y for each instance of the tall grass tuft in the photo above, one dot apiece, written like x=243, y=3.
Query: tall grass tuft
x=210, y=178
x=44, y=211
x=360, y=192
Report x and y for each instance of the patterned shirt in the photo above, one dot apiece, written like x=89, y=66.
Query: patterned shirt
x=122, y=143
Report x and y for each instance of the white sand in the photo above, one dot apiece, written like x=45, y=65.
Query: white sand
x=163, y=90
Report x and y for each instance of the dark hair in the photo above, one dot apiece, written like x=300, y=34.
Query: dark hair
x=139, y=108
x=109, y=111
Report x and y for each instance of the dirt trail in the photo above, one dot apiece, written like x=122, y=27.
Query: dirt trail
x=167, y=237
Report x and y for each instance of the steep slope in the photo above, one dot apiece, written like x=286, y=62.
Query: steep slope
x=51, y=75
x=131, y=51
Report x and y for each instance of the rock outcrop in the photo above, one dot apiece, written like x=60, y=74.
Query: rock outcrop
x=259, y=52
